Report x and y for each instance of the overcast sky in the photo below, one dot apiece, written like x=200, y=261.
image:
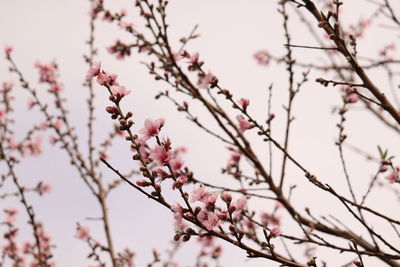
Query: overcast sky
x=231, y=31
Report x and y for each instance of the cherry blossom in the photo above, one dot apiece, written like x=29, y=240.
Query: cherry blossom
x=82, y=232
x=8, y=49
x=200, y=194
x=151, y=128
x=393, y=177
x=276, y=231
x=206, y=80
x=244, y=103
x=94, y=70
x=209, y=219
x=262, y=57
x=119, y=91
x=243, y=123
x=161, y=155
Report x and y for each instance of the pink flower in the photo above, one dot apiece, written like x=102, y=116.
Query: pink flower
x=8, y=49
x=226, y=196
x=193, y=59
x=94, y=70
x=207, y=241
x=7, y=86
x=11, y=211
x=183, y=179
x=243, y=123
x=350, y=94
x=2, y=113
x=178, y=212
x=47, y=72
x=244, y=103
x=276, y=231
x=34, y=147
x=119, y=91
x=262, y=57
x=126, y=25
x=151, y=128
x=234, y=159
x=31, y=103
x=241, y=203
x=393, y=177
x=200, y=194
x=268, y=219
x=27, y=247
x=43, y=188
x=82, y=232
x=206, y=80
x=160, y=154
x=56, y=88
x=176, y=164
x=209, y=219
x=143, y=183
x=103, y=79
x=58, y=124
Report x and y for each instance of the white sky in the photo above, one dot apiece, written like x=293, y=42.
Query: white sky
x=231, y=31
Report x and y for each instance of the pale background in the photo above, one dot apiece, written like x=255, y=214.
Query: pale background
x=231, y=31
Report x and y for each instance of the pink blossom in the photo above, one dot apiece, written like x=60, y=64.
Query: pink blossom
x=352, y=98
x=107, y=78
x=143, y=183
x=206, y=80
x=178, y=212
x=183, y=179
x=119, y=91
x=31, y=103
x=56, y=88
x=176, y=163
x=244, y=103
x=209, y=219
x=160, y=154
x=262, y=57
x=47, y=72
x=102, y=79
x=226, y=196
x=94, y=70
x=239, y=206
x=8, y=49
x=193, y=59
x=11, y=211
x=243, y=123
x=2, y=113
x=276, y=231
x=27, y=247
x=142, y=148
x=177, y=56
x=82, y=232
x=34, y=147
x=58, y=124
x=207, y=241
x=278, y=205
x=43, y=125
x=200, y=194
x=268, y=219
x=241, y=203
x=43, y=188
x=393, y=177
x=234, y=159
x=151, y=128
x=126, y=25
x=7, y=86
